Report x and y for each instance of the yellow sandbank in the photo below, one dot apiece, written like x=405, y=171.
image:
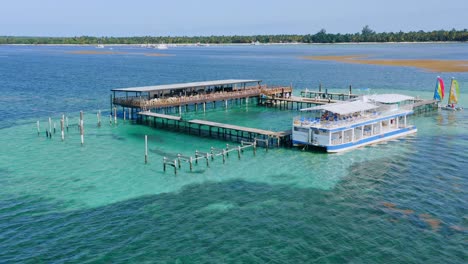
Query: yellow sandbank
x=94, y=52
x=428, y=65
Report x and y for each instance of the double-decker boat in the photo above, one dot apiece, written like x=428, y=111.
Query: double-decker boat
x=350, y=124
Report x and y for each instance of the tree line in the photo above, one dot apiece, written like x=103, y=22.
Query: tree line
x=366, y=35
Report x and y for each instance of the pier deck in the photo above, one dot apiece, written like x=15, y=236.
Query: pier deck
x=151, y=114
x=241, y=128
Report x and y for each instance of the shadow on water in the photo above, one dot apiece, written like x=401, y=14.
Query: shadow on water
x=217, y=222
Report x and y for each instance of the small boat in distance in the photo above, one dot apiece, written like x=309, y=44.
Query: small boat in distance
x=347, y=125
x=100, y=46
x=453, y=97
x=162, y=47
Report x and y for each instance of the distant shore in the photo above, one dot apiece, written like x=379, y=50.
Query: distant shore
x=243, y=44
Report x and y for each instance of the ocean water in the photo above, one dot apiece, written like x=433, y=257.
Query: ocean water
x=403, y=201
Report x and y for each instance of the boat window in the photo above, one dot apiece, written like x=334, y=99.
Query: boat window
x=301, y=129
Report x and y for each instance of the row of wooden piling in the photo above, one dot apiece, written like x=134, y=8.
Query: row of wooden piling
x=64, y=125
x=207, y=156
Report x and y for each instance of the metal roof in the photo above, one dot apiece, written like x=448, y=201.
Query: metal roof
x=344, y=108
x=182, y=85
x=389, y=98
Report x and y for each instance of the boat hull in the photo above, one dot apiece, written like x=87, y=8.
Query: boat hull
x=364, y=142
x=448, y=108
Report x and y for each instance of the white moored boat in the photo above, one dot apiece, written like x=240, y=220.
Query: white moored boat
x=346, y=125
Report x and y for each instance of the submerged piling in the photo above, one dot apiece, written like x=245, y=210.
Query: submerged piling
x=50, y=127
x=99, y=118
x=62, y=121
x=146, y=149
x=81, y=128
x=38, y=128
x=115, y=115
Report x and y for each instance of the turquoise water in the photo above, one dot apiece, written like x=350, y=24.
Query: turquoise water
x=403, y=201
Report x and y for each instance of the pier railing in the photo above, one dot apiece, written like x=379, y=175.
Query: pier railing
x=140, y=102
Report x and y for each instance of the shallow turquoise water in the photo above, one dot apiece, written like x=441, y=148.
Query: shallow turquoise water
x=401, y=201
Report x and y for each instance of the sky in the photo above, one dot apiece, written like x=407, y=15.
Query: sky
x=217, y=17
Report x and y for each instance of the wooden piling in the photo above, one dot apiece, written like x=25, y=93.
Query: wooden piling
x=50, y=127
x=62, y=127
x=38, y=128
x=115, y=115
x=81, y=128
x=146, y=149
x=66, y=121
x=99, y=118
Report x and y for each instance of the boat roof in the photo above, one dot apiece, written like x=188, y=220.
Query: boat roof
x=389, y=98
x=183, y=85
x=344, y=108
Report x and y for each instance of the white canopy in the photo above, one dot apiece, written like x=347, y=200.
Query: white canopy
x=344, y=108
x=389, y=98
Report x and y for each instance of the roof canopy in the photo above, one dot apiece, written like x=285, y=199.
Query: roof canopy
x=389, y=98
x=344, y=108
x=183, y=85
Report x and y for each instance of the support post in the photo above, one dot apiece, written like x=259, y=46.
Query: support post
x=81, y=128
x=99, y=118
x=239, y=152
x=146, y=149
x=50, y=127
x=38, y=128
x=115, y=115
x=164, y=164
x=62, y=127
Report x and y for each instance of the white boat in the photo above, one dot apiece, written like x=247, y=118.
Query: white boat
x=351, y=124
x=162, y=46
x=100, y=46
x=453, y=97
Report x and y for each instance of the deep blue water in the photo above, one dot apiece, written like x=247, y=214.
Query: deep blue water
x=404, y=201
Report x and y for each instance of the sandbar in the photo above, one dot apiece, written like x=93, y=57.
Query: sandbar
x=96, y=52
x=428, y=65
x=158, y=54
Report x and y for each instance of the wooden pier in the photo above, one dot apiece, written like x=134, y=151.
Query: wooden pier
x=220, y=130
x=422, y=106
x=185, y=94
x=294, y=102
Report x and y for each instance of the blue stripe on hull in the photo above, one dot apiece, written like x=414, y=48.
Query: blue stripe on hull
x=368, y=140
x=361, y=142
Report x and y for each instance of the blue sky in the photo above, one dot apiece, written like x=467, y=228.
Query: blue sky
x=237, y=17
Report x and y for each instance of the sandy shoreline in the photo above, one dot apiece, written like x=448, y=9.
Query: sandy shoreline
x=245, y=44
x=428, y=65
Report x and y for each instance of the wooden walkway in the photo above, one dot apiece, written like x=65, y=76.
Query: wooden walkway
x=156, y=115
x=241, y=128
